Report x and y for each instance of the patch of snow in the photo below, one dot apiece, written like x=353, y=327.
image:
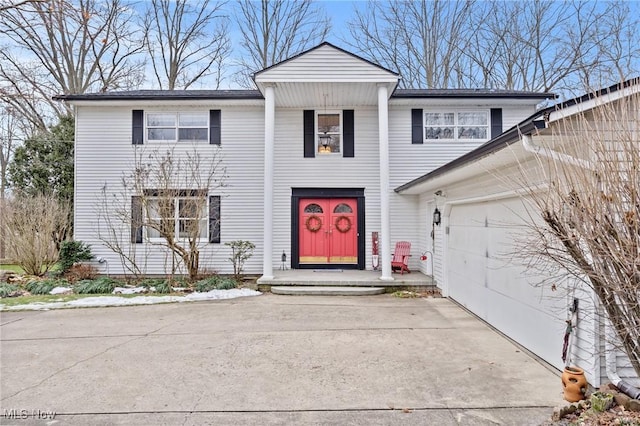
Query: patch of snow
x=129, y=290
x=222, y=294
x=61, y=290
x=102, y=301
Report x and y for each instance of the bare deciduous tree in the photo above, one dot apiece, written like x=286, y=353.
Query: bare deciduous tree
x=544, y=46
x=590, y=227
x=64, y=47
x=186, y=41
x=617, y=51
x=113, y=229
x=10, y=135
x=7, y=4
x=170, y=191
x=517, y=45
x=424, y=40
x=37, y=226
x=274, y=30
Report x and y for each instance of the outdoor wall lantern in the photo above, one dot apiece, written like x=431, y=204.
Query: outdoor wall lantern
x=436, y=217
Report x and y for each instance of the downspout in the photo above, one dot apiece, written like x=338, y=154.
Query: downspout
x=611, y=367
x=529, y=146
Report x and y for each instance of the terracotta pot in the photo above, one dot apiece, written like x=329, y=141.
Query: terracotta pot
x=574, y=384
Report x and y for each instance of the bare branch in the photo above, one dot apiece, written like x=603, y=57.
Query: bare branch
x=590, y=216
x=18, y=4
x=172, y=189
x=65, y=47
x=186, y=41
x=36, y=226
x=274, y=30
x=518, y=45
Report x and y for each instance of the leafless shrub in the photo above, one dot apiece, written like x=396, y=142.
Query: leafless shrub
x=36, y=225
x=81, y=271
x=170, y=192
x=589, y=166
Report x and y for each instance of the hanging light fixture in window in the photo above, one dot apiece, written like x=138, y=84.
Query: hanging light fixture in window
x=324, y=138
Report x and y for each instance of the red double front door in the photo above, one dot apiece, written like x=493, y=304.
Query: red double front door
x=328, y=231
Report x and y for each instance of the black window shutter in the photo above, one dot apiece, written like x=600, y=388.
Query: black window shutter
x=214, y=127
x=137, y=127
x=496, y=122
x=309, y=133
x=214, y=219
x=417, y=129
x=347, y=133
x=136, y=219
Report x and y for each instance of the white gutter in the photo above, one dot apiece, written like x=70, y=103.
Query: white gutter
x=529, y=146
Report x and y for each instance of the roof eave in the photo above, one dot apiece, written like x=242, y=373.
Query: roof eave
x=155, y=97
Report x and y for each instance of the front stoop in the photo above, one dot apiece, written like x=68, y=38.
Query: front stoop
x=294, y=290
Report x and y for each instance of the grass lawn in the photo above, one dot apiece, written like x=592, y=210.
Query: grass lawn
x=43, y=298
x=18, y=270
x=11, y=267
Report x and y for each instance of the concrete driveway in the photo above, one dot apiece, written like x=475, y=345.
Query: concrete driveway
x=269, y=360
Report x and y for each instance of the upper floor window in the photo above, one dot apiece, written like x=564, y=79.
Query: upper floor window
x=462, y=125
x=180, y=127
x=329, y=133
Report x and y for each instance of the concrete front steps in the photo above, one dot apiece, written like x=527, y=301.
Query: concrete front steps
x=344, y=283
x=298, y=290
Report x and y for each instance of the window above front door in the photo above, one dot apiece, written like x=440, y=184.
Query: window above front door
x=328, y=133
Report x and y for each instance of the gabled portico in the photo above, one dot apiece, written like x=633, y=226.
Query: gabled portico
x=326, y=78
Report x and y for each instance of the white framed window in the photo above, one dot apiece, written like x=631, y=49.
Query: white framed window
x=456, y=125
x=177, y=126
x=329, y=133
x=183, y=217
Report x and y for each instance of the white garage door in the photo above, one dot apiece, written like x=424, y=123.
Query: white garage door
x=483, y=278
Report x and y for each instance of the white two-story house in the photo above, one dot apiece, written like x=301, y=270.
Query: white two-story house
x=329, y=164
x=310, y=162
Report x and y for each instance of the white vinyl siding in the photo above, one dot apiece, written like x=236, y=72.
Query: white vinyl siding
x=409, y=161
x=292, y=170
x=104, y=155
x=325, y=64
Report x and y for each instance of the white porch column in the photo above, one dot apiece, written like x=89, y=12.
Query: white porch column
x=385, y=221
x=269, y=141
